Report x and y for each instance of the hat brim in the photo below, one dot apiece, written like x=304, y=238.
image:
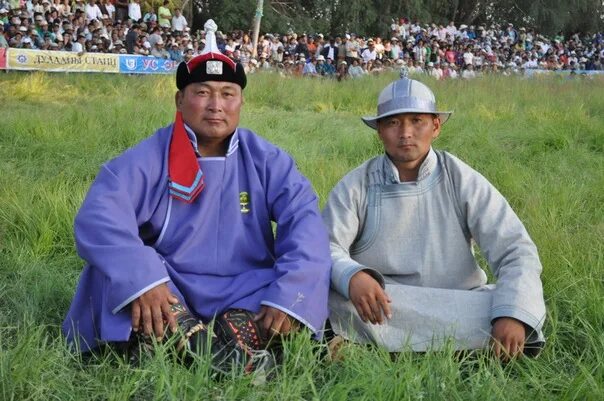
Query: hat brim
x=372, y=121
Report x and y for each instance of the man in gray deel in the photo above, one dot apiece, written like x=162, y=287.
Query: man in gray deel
x=402, y=228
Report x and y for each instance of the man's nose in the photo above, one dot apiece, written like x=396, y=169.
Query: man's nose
x=405, y=130
x=215, y=103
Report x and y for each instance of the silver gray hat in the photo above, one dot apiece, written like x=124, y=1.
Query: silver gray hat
x=405, y=96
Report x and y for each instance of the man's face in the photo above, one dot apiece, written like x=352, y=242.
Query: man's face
x=211, y=108
x=407, y=137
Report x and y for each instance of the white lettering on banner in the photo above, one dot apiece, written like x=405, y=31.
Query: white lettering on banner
x=131, y=64
x=150, y=64
x=169, y=65
x=70, y=60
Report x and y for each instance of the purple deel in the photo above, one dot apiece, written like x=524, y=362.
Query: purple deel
x=216, y=253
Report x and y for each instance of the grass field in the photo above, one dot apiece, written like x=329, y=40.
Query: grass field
x=541, y=142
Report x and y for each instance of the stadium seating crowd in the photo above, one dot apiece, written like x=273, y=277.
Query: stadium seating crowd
x=442, y=51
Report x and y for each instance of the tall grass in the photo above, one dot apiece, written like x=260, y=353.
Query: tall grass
x=540, y=141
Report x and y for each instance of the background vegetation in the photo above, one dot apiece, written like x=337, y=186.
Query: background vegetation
x=540, y=141
x=373, y=17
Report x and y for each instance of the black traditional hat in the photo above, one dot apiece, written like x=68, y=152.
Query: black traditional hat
x=210, y=65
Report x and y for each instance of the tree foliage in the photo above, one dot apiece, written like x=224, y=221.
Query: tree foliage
x=373, y=17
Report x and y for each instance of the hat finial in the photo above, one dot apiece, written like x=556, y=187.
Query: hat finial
x=210, y=26
x=211, y=47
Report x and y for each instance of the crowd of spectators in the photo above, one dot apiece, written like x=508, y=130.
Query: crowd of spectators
x=120, y=26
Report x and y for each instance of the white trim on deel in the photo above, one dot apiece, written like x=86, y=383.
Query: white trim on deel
x=292, y=314
x=139, y=293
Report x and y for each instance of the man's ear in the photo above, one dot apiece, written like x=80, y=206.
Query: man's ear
x=437, y=125
x=178, y=99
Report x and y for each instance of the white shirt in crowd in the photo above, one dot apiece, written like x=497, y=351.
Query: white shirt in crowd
x=420, y=53
x=452, y=29
x=76, y=47
x=442, y=33
x=368, y=55
x=274, y=46
x=356, y=71
x=110, y=10
x=468, y=74
x=230, y=48
x=436, y=73
x=477, y=60
x=532, y=63
x=395, y=52
x=179, y=23
x=93, y=12
x=134, y=11
x=468, y=58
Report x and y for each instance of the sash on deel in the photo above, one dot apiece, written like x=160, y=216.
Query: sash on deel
x=186, y=177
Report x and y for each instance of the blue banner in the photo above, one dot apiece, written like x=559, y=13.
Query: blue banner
x=130, y=64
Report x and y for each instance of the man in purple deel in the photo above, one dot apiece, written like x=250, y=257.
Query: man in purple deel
x=176, y=232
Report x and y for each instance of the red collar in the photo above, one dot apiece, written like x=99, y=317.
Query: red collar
x=186, y=178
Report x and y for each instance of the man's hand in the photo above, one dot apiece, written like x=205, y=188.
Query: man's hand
x=508, y=338
x=274, y=321
x=369, y=298
x=151, y=309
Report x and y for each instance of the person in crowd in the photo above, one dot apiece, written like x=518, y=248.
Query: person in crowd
x=402, y=228
x=93, y=12
x=468, y=72
x=139, y=47
x=107, y=9
x=134, y=11
x=302, y=47
x=330, y=50
x=150, y=16
x=395, y=49
x=351, y=48
x=176, y=53
x=370, y=53
x=177, y=234
x=321, y=67
x=320, y=42
x=263, y=63
x=164, y=15
x=121, y=10
x=468, y=57
x=179, y=22
x=276, y=49
x=159, y=50
x=311, y=45
x=246, y=45
x=310, y=68
x=132, y=37
x=298, y=69
x=79, y=46
x=355, y=70
x=342, y=71
x=3, y=41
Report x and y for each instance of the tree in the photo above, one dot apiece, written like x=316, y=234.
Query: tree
x=373, y=17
